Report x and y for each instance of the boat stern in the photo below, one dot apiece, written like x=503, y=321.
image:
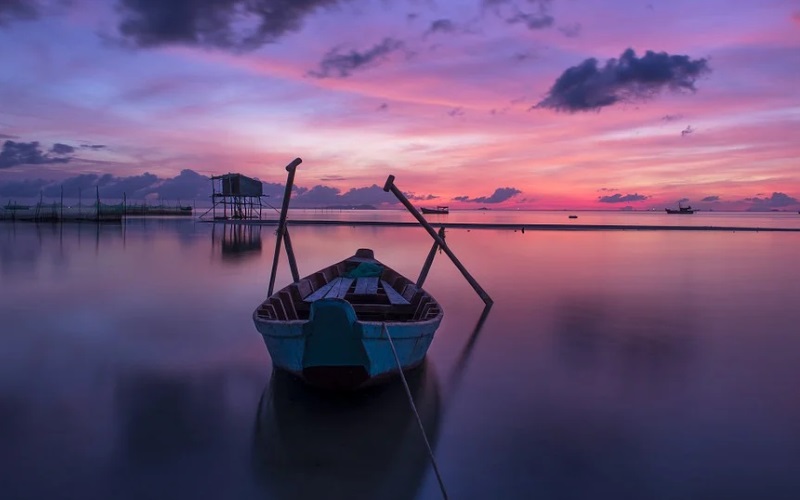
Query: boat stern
x=334, y=356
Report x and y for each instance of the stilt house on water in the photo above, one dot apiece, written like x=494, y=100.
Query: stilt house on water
x=236, y=196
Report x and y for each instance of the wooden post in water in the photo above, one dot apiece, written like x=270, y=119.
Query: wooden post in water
x=429, y=261
x=287, y=193
x=290, y=254
x=61, y=213
x=97, y=201
x=390, y=186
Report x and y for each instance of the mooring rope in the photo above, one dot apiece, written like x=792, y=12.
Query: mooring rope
x=416, y=413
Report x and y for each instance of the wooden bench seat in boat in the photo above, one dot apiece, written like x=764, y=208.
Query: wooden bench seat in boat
x=370, y=296
x=393, y=295
x=336, y=288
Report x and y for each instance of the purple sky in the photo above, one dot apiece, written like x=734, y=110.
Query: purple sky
x=523, y=104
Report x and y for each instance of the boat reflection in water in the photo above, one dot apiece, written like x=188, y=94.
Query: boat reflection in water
x=365, y=444
x=239, y=242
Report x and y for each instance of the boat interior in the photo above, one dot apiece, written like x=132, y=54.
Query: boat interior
x=383, y=295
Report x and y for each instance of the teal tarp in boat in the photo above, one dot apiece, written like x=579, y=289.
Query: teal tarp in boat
x=365, y=270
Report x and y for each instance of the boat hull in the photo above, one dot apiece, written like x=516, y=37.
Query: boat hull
x=341, y=329
x=287, y=345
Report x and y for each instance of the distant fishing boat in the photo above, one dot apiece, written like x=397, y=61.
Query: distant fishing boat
x=681, y=210
x=351, y=324
x=441, y=210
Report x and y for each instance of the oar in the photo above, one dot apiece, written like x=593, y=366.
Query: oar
x=390, y=186
x=287, y=194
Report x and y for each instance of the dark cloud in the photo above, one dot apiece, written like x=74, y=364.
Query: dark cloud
x=671, y=118
x=187, y=185
x=319, y=195
x=421, y=197
x=711, y=198
x=275, y=190
x=608, y=189
x=62, y=149
x=441, y=26
x=135, y=186
x=776, y=200
x=499, y=195
x=94, y=147
x=6, y=136
x=26, y=153
x=571, y=30
x=534, y=21
x=525, y=56
x=622, y=198
x=80, y=184
x=327, y=195
x=456, y=112
x=383, y=107
x=588, y=87
x=27, y=188
x=226, y=24
x=18, y=10
x=339, y=64
x=517, y=12
x=688, y=130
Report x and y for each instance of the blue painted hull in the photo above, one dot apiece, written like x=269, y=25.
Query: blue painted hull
x=286, y=344
x=334, y=346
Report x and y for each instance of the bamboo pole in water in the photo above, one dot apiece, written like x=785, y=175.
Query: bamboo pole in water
x=282, y=222
x=390, y=186
x=429, y=261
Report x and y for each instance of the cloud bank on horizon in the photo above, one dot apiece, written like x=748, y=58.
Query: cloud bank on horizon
x=689, y=101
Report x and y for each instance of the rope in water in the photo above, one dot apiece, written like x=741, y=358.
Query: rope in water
x=416, y=413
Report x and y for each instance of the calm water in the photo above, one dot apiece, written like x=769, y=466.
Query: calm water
x=789, y=220
x=614, y=364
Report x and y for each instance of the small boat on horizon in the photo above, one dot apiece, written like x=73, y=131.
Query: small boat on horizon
x=681, y=210
x=441, y=210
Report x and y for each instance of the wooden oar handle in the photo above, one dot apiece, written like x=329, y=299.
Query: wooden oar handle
x=290, y=167
x=389, y=183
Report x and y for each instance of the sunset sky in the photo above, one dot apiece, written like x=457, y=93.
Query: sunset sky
x=534, y=104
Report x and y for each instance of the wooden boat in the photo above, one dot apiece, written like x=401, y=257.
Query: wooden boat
x=681, y=210
x=441, y=210
x=332, y=328
x=355, y=322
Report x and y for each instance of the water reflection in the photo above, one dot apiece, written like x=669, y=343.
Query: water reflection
x=238, y=242
x=638, y=339
x=163, y=417
x=367, y=444
x=24, y=246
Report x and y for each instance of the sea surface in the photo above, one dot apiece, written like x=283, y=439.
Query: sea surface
x=614, y=364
